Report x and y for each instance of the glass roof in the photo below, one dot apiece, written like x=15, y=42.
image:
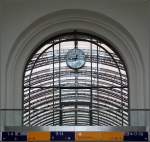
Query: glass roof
x=95, y=94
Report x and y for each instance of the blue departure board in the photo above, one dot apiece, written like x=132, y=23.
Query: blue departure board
x=14, y=136
x=136, y=136
x=62, y=136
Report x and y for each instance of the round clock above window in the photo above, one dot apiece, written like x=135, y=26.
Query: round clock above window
x=75, y=58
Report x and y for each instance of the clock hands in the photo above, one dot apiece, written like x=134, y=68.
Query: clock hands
x=75, y=57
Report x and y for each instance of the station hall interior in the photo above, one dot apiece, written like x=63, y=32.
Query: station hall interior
x=75, y=64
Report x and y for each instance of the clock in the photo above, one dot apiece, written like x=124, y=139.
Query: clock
x=75, y=58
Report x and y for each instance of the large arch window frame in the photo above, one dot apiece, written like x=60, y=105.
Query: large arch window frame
x=122, y=118
x=96, y=23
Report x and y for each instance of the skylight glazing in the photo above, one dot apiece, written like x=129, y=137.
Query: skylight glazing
x=94, y=94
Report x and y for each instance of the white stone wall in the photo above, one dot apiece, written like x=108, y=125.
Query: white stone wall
x=26, y=23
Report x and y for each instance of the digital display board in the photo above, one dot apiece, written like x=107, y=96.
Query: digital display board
x=62, y=136
x=136, y=136
x=111, y=136
x=99, y=136
x=88, y=136
x=38, y=136
x=115, y=136
x=14, y=136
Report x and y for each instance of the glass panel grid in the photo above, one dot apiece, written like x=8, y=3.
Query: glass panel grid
x=96, y=94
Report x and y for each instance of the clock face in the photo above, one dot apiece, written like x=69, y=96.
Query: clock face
x=75, y=58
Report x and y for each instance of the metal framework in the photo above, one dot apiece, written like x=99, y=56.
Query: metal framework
x=56, y=95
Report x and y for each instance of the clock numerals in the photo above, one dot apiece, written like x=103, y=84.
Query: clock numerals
x=75, y=58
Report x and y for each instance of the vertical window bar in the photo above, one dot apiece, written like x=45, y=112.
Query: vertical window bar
x=91, y=97
x=76, y=90
x=53, y=81
x=122, y=99
x=60, y=104
x=29, y=102
x=76, y=81
x=76, y=97
x=97, y=84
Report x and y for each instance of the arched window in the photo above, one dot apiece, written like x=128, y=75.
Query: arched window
x=75, y=79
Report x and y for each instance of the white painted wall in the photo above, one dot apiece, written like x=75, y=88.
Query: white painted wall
x=20, y=19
